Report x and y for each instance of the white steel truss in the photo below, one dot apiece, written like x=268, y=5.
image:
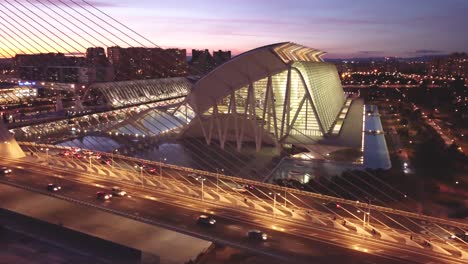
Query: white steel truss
x=305, y=99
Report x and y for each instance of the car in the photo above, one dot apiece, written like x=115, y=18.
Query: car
x=103, y=196
x=249, y=187
x=52, y=187
x=106, y=161
x=257, y=235
x=151, y=170
x=117, y=191
x=87, y=152
x=65, y=154
x=77, y=155
x=206, y=220
x=458, y=237
x=5, y=171
x=234, y=186
x=194, y=176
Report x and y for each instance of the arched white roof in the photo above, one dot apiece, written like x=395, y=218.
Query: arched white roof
x=245, y=68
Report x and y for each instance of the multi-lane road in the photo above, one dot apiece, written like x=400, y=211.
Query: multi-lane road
x=289, y=240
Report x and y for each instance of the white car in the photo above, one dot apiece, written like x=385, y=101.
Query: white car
x=118, y=192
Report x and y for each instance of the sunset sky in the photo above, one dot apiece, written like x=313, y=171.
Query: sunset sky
x=343, y=28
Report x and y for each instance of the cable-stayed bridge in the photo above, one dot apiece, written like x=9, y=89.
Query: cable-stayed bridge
x=142, y=113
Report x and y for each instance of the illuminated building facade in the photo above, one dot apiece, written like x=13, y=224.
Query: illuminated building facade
x=137, y=63
x=278, y=94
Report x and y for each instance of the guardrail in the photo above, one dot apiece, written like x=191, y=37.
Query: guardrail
x=266, y=185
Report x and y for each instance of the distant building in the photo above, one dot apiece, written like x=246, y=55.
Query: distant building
x=56, y=67
x=221, y=57
x=453, y=65
x=202, y=62
x=147, y=63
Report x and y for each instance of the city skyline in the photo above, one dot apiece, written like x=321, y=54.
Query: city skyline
x=399, y=28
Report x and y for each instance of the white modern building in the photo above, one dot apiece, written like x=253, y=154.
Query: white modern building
x=279, y=95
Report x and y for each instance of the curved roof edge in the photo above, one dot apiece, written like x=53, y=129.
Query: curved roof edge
x=248, y=67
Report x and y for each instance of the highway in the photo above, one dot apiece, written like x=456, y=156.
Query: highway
x=262, y=196
x=393, y=225
x=299, y=243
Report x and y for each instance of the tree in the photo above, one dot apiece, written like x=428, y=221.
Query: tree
x=432, y=160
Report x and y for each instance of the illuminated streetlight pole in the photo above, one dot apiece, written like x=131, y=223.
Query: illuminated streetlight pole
x=160, y=167
x=369, y=200
x=217, y=178
x=363, y=217
x=112, y=157
x=202, y=179
x=141, y=173
x=274, y=201
x=90, y=163
x=285, y=197
x=47, y=154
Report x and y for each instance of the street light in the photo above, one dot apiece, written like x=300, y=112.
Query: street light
x=202, y=179
x=141, y=173
x=369, y=204
x=90, y=163
x=217, y=178
x=160, y=167
x=274, y=201
x=47, y=155
x=112, y=156
x=363, y=217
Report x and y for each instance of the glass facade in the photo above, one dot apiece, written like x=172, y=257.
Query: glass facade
x=303, y=100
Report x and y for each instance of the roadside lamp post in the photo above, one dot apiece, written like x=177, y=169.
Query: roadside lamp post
x=160, y=167
x=141, y=173
x=202, y=180
x=47, y=154
x=90, y=162
x=217, y=178
x=112, y=157
x=274, y=201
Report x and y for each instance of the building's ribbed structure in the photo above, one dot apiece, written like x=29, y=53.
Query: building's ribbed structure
x=267, y=95
x=127, y=93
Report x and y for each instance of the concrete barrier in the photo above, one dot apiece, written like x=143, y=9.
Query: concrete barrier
x=57, y=235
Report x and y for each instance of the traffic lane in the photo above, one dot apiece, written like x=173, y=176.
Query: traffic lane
x=87, y=193
x=259, y=193
x=356, y=212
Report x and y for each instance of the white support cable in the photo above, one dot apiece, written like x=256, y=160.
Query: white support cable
x=54, y=27
x=35, y=28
